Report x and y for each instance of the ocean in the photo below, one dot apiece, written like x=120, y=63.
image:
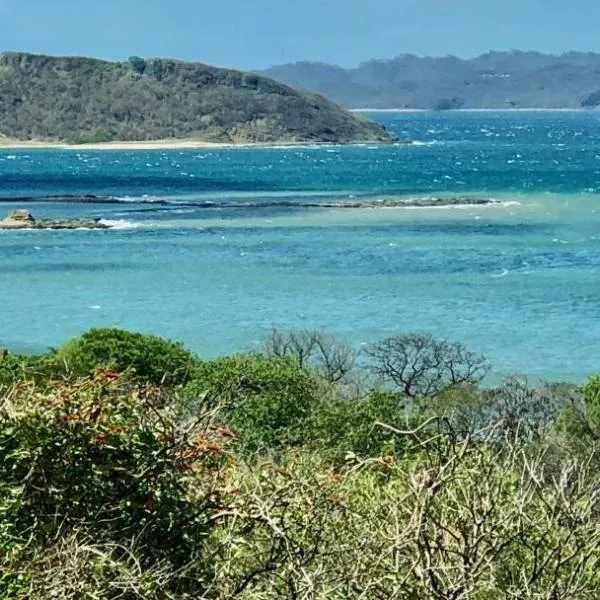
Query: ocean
x=190, y=259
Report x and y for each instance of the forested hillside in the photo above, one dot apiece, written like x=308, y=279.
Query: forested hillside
x=85, y=100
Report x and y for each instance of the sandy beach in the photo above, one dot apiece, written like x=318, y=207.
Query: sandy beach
x=144, y=145
x=152, y=145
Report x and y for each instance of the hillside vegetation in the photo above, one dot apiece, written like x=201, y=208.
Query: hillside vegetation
x=493, y=80
x=84, y=100
x=131, y=469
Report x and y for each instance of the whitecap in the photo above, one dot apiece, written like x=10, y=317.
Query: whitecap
x=95, y=307
x=119, y=224
x=504, y=273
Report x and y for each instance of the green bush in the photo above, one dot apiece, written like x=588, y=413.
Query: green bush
x=579, y=421
x=108, y=467
x=15, y=368
x=267, y=400
x=152, y=359
x=358, y=426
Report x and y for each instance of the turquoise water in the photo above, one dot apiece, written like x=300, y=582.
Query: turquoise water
x=518, y=281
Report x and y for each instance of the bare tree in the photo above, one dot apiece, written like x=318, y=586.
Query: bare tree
x=422, y=365
x=332, y=358
x=526, y=412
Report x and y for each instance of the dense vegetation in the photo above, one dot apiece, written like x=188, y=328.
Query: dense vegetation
x=82, y=100
x=493, y=80
x=132, y=469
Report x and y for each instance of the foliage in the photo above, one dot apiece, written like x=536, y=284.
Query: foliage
x=267, y=399
x=579, y=419
x=81, y=100
x=107, y=466
x=255, y=476
x=455, y=520
x=151, y=358
x=345, y=427
x=11, y=367
x=15, y=367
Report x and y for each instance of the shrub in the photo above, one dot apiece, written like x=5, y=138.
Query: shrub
x=14, y=368
x=93, y=465
x=579, y=420
x=267, y=399
x=152, y=359
x=342, y=426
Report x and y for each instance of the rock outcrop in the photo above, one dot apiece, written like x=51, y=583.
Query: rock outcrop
x=21, y=218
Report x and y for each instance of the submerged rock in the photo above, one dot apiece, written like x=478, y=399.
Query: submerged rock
x=21, y=218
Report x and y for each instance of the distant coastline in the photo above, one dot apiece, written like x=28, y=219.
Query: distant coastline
x=469, y=110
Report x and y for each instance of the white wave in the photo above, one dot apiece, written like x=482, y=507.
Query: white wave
x=119, y=224
x=504, y=273
x=510, y=203
x=418, y=143
x=134, y=199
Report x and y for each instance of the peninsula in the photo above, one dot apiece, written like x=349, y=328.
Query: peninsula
x=72, y=100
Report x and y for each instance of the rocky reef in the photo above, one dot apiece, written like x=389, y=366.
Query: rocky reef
x=21, y=218
x=398, y=202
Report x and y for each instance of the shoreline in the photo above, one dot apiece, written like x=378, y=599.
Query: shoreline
x=169, y=145
x=141, y=145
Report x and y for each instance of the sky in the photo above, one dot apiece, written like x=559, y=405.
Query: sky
x=255, y=34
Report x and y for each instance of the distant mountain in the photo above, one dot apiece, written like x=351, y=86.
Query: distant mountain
x=85, y=100
x=494, y=80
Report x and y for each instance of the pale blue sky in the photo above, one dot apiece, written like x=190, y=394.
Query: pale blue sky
x=258, y=33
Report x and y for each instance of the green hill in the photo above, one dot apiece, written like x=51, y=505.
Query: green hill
x=79, y=100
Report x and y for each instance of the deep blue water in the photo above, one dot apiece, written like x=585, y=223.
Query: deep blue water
x=517, y=281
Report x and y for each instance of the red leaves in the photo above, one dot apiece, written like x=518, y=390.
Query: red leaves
x=190, y=453
x=222, y=432
x=386, y=461
x=106, y=374
x=99, y=439
x=69, y=417
x=335, y=477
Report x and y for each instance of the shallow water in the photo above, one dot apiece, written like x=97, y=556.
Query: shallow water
x=517, y=281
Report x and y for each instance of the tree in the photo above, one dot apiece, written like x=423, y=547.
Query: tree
x=137, y=64
x=422, y=365
x=331, y=358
